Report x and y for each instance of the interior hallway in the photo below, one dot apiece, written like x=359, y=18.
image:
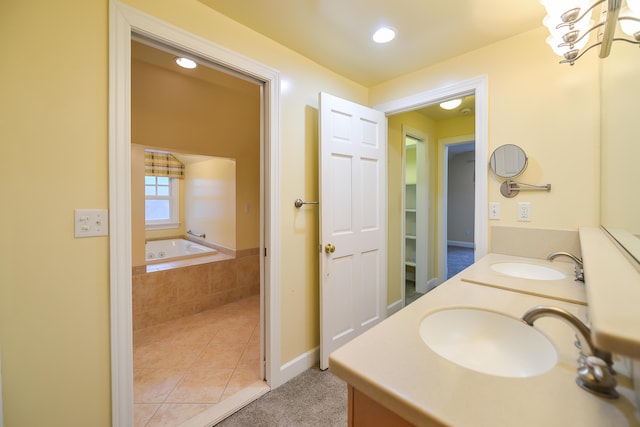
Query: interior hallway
x=188, y=365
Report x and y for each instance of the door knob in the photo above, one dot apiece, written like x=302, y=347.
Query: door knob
x=329, y=248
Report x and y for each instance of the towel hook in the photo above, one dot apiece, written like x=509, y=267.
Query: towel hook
x=298, y=203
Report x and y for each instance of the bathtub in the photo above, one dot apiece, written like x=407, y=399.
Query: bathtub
x=170, y=249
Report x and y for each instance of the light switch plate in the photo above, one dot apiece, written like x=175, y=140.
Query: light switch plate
x=91, y=222
x=494, y=210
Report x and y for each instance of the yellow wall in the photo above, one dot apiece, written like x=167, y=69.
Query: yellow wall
x=456, y=126
x=54, y=315
x=210, y=192
x=550, y=110
x=54, y=311
x=54, y=289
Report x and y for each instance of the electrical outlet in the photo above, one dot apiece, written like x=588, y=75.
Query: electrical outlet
x=494, y=210
x=524, y=211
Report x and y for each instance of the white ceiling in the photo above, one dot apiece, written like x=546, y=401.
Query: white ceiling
x=337, y=33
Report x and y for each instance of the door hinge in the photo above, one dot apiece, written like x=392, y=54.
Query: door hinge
x=265, y=252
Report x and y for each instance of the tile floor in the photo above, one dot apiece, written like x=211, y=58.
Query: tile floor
x=188, y=365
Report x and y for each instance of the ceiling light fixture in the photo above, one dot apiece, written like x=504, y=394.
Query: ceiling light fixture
x=186, y=63
x=384, y=35
x=450, y=105
x=570, y=25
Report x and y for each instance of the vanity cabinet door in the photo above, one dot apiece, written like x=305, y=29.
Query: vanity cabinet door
x=366, y=412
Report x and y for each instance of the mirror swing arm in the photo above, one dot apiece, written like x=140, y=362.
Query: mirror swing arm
x=511, y=188
x=507, y=162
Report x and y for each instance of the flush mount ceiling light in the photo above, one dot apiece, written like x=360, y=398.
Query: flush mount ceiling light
x=451, y=104
x=570, y=25
x=186, y=63
x=384, y=35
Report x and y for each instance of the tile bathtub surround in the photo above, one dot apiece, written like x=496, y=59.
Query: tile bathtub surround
x=169, y=294
x=191, y=364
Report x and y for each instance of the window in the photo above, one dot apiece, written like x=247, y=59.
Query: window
x=162, y=199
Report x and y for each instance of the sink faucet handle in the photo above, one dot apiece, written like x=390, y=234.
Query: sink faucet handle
x=577, y=261
x=595, y=367
x=595, y=376
x=598, y=364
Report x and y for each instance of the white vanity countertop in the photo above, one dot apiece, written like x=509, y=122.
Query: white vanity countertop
x=564, y=290
x=391, y=364
x=613, y=289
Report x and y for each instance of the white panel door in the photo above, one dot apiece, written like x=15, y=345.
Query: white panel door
x=353, y=221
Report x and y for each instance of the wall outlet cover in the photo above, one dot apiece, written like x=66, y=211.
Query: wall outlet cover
x=524, y=211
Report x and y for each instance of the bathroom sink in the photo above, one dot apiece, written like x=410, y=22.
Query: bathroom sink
x=527, y=271
x=488, y=342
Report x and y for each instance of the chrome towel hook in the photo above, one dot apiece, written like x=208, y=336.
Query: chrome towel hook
x=298, y=203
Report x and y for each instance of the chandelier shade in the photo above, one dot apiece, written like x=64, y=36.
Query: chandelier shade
x=577, y=26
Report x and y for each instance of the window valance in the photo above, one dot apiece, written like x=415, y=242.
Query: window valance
x=162, y=164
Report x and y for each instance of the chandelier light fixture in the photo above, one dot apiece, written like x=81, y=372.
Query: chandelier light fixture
x=571, y=24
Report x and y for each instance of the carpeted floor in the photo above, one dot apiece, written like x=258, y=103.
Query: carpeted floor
x=458, y=259
x=313, y=398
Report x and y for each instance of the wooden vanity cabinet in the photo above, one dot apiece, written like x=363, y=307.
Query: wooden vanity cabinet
x=366, y=412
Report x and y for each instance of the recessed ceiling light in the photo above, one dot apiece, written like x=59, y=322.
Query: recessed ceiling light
x=186, y=63
x=384, y=35
x=450, y=105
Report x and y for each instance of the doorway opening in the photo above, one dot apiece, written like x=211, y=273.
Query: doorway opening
x=196, y=317
x=420, y=111
x=125, y=25
x=457, y=207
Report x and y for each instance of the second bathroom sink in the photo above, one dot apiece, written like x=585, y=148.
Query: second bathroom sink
x=527, y=271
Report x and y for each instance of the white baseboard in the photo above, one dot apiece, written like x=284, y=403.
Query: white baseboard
x=460, y=244
x=394, y=307
x=432, y=283
x=295, y=367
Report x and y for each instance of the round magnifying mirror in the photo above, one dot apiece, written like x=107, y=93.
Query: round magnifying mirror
x=508, y=161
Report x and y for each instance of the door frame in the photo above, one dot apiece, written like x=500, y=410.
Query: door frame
x=422, y=198
x=123, y=21
x=480, y=87
x=443, y=196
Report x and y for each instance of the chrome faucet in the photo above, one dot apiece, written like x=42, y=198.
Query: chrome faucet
x=577, y=261
x=595, y=366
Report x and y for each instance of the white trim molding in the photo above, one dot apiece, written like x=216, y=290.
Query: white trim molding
x=298, y=365
x=125, y=21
